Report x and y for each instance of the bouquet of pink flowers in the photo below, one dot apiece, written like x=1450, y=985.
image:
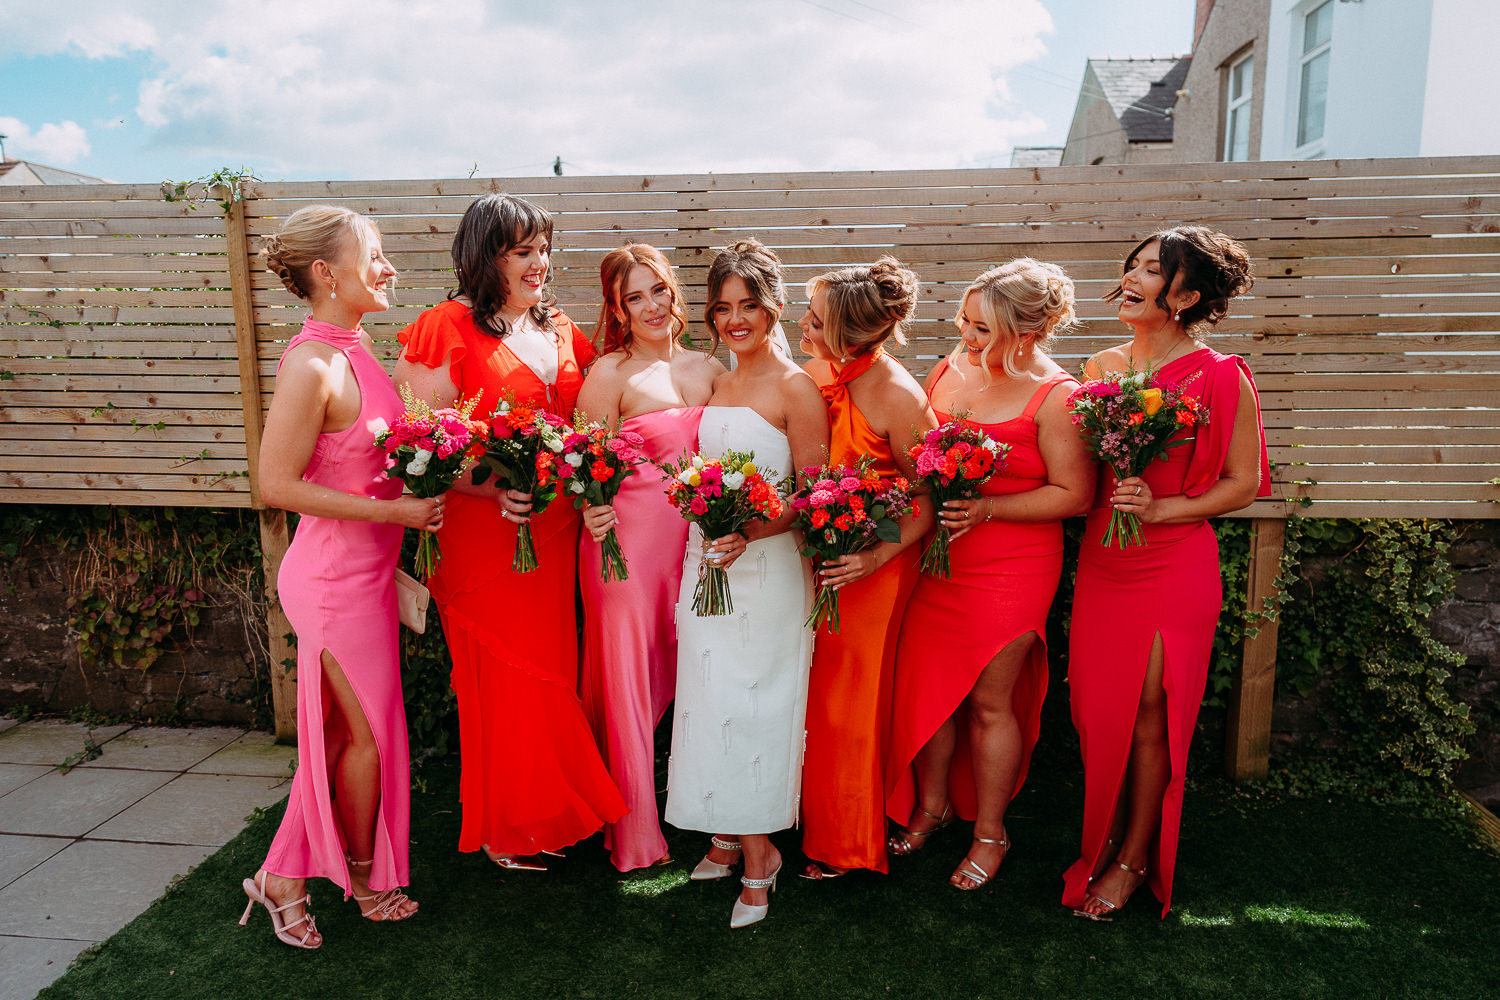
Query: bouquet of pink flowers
x=525, y=454
x=598, y=464
x=953, y=461
x=721, y=495
x=846, y=509
x=427, y=450
x=1128, y=420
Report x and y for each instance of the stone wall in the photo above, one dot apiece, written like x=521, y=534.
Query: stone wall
x=216, y=672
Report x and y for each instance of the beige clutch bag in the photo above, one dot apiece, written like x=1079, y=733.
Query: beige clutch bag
x=411, y=600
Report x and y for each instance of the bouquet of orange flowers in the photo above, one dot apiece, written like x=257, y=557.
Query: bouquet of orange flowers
x=1129, y=420
x=846, y=509
x=721, y=495
x=427, y=449
x=524, y=453
x=598, y=464
x=952, y=462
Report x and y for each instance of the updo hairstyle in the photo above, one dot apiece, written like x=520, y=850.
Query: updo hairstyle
x=491, y=227
x=1023, y=299
x=865, y=306
x=759, y=267
x=313, y=233
x=1211, y=264
x=614, y=333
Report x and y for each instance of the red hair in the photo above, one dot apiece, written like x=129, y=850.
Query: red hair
x=614, y=334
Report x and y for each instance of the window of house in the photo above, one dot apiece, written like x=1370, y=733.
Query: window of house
x=1312, y=94
x=1237, y=111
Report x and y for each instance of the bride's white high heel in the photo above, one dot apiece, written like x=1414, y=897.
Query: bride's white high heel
x=744, y=914
x=708, y=870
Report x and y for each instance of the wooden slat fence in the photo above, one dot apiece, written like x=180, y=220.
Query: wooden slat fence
x=140, y=336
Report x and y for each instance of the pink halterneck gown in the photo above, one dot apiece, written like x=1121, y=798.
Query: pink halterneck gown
x=337, y=585
x=630, y=643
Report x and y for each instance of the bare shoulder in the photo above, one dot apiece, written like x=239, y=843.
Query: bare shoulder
x=701, y=361
x=898, y=389
x=1111, y=359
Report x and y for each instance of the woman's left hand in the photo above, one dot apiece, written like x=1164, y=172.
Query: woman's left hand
x=722, y=552
x=836, y=573
x=1133, y=496
x=958, y=516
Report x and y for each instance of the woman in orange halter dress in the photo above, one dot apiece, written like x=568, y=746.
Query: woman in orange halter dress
x=532, y=780
x=875, y=408
x=971, y=669
x=1144, y=616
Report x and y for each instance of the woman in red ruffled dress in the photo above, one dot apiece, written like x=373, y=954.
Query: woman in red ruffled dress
x=532, y=780
x=1144, y=616
x=971, y=670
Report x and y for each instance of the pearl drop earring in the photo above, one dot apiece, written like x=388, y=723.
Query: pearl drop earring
x=333, y=290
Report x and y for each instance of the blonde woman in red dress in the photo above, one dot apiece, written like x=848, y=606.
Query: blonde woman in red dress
x=532, y=781
x=1144, y=616
x=971, y=670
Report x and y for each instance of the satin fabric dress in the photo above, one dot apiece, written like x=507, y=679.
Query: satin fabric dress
x=1124, y=598
x=531, y=777
x=629, y=647
x=849, y=696
x=337, y=586
x=1005, y=574
x=738, y=725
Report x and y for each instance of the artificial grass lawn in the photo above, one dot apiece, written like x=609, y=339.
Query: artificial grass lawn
x=1298, y=899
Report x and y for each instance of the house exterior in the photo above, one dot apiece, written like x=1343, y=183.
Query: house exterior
x=1309, y=79
x=1124, y=111
x=17, y=172
x=1302, y=79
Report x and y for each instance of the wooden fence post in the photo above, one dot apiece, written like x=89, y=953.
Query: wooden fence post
x=273, y=528
x=1247, y=750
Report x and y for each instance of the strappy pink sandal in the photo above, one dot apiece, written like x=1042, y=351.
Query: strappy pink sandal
x=386, y=904
x=256, y=890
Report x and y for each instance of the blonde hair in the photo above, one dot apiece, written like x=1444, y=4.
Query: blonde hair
x=314, y=233
x=1021, y=299
x=864, y=306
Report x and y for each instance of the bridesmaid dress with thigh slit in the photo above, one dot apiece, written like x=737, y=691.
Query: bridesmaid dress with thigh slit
x=337, y=585
x=1125, y=598
x=1005, y=574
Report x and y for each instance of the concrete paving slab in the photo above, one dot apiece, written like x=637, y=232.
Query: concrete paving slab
x=158, y=748
x=72, y=804
x=13, y=776
x=93, y=888
x=255, y=753
x=31, y=964
x=47, y=742
x=7, y=721
x=206, y=809
x=18, y=855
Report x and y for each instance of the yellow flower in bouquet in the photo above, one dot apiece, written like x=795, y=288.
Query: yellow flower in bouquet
x=1151, y=401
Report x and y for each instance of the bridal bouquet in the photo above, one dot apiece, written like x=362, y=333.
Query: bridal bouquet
x=1128, y=420
x=953, y=461
x=598, y=464
x=721, y=495
x=846, y=509
x=524, y=453
x=426, y=449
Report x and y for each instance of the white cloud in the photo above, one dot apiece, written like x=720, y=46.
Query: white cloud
x=53, y=144
x=393, y=88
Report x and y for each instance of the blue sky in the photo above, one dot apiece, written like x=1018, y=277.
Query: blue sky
x=335, y=89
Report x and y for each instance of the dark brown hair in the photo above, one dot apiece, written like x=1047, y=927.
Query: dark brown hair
x=1212, y=264
x=758, y=266
x=491, y=227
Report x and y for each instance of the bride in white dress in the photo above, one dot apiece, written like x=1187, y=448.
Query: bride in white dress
x=736, y=764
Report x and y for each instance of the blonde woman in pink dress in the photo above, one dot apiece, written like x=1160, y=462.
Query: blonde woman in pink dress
x=648, y=383
x=347, y=815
